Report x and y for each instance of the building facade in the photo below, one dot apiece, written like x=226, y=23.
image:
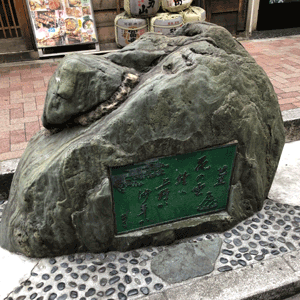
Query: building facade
x=238, y=16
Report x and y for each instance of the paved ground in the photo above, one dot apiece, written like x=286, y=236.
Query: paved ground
x=23, y=89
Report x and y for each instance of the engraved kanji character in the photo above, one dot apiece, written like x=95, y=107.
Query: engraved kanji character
x=124, y=218
x=160, y=172
x=209, y=202
x=166, y=181
x=222, y=174
x=182, y=178
x=144, y=194
x=163, y=195
x=130, y=182
x=143, y=213
x=199, y=177
x=201, y=164
x=139, y=176
x=197, y=189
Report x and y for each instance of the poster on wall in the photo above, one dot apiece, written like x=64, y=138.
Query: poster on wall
x=62, y=22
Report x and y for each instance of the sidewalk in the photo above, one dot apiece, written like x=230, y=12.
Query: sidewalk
x=23, y=88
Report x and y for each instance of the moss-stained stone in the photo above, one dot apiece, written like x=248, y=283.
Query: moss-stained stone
x=196, y=89
x=185, y=261
x=167, y=233
x=78, y=85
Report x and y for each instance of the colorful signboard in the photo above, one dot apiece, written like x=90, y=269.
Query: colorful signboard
x=171, y=188
x=62, y=22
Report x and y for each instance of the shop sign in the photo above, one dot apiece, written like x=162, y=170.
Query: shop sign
x=62, y=22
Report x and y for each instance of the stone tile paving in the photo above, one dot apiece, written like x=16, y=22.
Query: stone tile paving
x=273, y=231
x=23, y=89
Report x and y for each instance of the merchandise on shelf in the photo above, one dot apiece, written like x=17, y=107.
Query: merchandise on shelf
x=141, y=8
x=165, y=23
x=193, y=14
x=175, y=5
x=127, y=29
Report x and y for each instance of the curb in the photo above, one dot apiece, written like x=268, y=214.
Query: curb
x=291, y=119
x=28, y=62
x=23, y=56
x=7, y=170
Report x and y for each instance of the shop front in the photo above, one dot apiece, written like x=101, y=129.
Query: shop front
x=55, y=27
x=272, y=14
x=229, y=14
x=278, y=14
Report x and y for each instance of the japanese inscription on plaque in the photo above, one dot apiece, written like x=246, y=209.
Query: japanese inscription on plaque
x=171, y=188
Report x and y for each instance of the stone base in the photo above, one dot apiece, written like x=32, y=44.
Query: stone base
x=167, y=233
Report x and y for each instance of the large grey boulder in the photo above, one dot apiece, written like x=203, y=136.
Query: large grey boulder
x=197, y=88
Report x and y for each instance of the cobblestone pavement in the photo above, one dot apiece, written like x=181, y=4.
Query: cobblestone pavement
x=273, y=231
x=23, y=89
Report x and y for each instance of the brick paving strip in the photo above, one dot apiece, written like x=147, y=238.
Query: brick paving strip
x=23, y=89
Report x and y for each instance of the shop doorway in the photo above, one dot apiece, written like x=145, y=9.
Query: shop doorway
x=230, y=14
x=278, y=14
x=9, y=24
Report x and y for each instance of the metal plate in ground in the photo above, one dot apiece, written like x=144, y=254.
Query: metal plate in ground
x=171, y=188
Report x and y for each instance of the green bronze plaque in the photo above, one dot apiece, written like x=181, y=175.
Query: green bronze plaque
x=171, y=188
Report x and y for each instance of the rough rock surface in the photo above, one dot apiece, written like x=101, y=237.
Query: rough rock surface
x=186, y=261
x=77, y=86
x=197, y=88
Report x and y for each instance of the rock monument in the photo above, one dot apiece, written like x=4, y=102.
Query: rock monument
x=158, y=101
